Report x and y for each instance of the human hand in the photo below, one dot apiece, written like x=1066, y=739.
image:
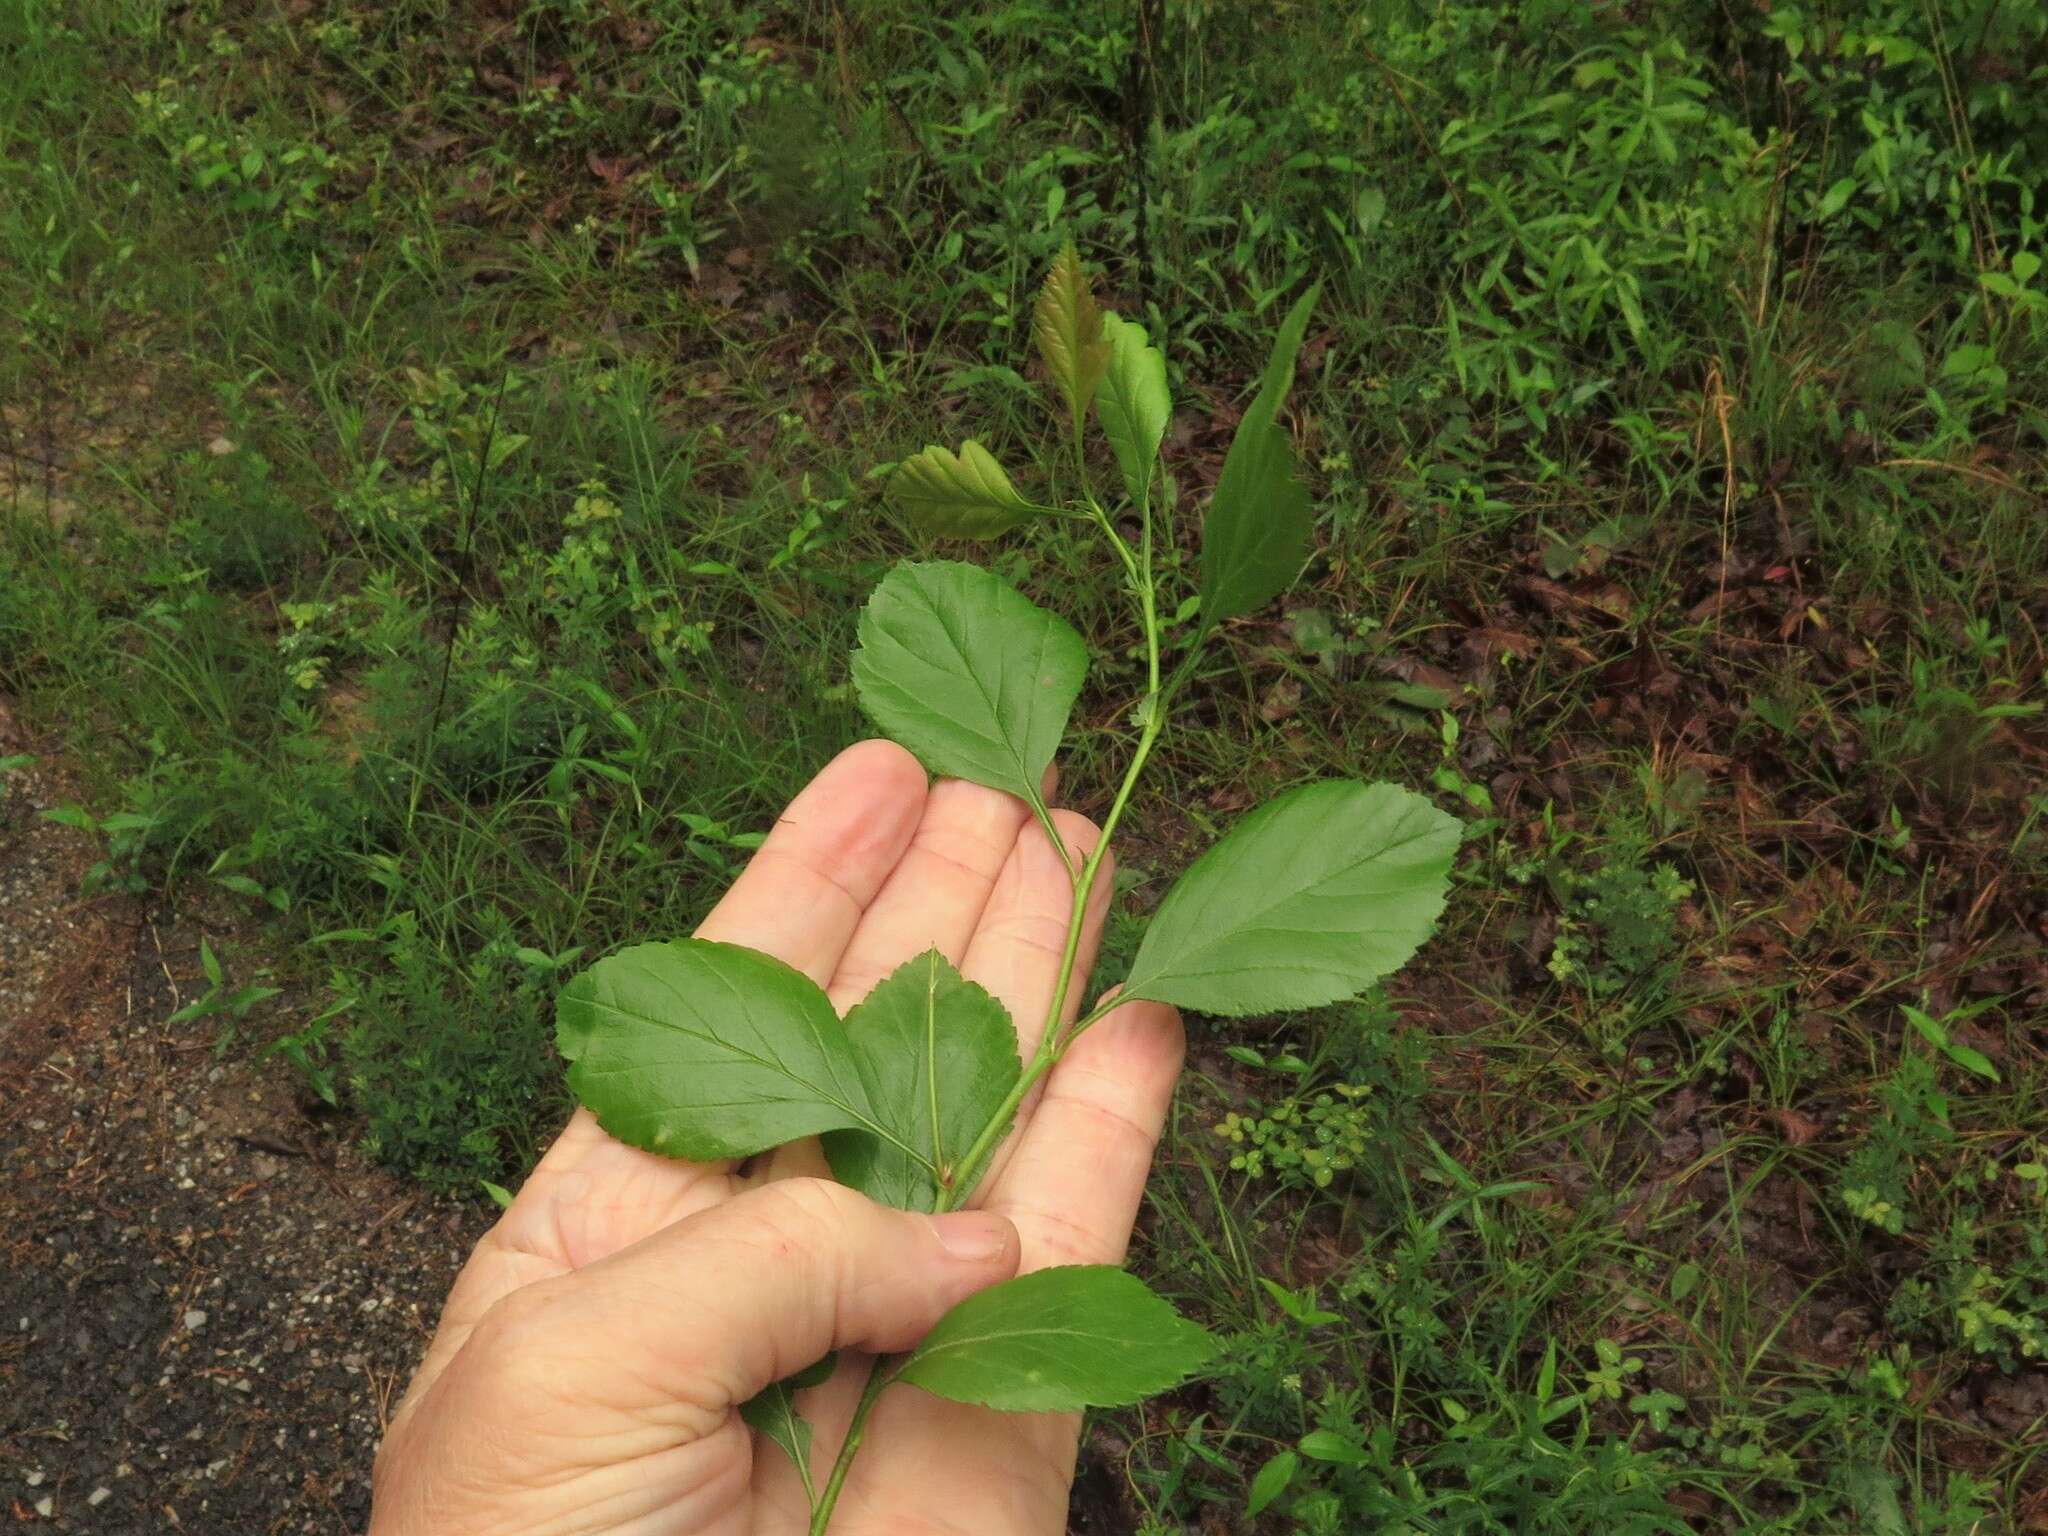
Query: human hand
x=593, y=1353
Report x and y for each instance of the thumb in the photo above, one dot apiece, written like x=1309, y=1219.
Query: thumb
x=707, y=1312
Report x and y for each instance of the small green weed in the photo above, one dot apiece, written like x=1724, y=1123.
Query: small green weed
x=1619, y=927
x=1305, y=1140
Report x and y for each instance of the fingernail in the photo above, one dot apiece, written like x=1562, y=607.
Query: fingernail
x=972, y=1237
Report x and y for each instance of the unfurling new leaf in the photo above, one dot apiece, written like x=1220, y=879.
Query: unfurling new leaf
x=705, y=1050
x=968, y=673
x=938, y=1055
x=1067, y=327
x=1308, y=900
x=1133, y=403
x=1256, y=535
x=963, y=496
x=1079, y=1336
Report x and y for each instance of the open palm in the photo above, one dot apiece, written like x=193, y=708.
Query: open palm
x=866, y=869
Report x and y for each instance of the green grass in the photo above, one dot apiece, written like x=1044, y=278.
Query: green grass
x=436, y=484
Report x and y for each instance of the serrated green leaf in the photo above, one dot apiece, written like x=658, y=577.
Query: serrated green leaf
x=1255, y=537
x=772, y=1412
x=703, y=1050
x=1077, y=1336
x=938, y=1055
x=1270, y=1482
x=1133, y=403
x=968, y=673
x=1310, y=899
x=1067, y=326
x=963, y=496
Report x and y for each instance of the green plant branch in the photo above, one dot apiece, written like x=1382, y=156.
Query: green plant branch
x=1089, y=1020
x=1053, y=1039
x=1148, y=598
x=856, y=1431
x=1116, y=542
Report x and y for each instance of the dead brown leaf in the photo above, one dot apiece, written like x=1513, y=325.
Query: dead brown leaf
x=1797, y=1129
x=1280, y=701
x=1493, y=642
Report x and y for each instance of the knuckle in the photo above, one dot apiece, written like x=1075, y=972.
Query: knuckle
x=513, y=1345
x=807, y=1211
x=974, y=858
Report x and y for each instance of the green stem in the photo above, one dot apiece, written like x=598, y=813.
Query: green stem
x=1051, y=1044
x=856, y=1430
x=1052, y=1039
x=1148, y=597
x=1123, y=551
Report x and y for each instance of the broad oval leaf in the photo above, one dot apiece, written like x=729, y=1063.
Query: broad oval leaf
x=1078, y=1336
x=938, y=1055
x=1255, y=537
x=702, y=1050
x=1067, y=326
x=1133, y=403
x=968, y=673
x=1311, y=898
x=963, y=496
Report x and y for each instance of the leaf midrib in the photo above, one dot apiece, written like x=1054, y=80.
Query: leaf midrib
x=836, y=1100
x=1254, y=919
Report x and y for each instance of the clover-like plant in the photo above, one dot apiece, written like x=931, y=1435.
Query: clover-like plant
x=705, y=1050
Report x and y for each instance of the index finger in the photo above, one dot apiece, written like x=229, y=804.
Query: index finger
x=803, y=893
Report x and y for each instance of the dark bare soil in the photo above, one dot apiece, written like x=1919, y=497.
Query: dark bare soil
x=208, y=1300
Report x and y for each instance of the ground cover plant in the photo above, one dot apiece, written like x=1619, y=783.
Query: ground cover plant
x=439, y=487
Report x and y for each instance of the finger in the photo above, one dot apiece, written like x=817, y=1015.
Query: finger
x=805, y=890
x=931, y=900
x=1017, y=947
x=1072, y=1188
x=1017, y=950
x=799, y=898
x=775, y=1279
x=1078, y=1171
x=934, y=896
x=1015, y=954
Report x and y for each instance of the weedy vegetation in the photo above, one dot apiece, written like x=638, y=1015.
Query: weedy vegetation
x=449, y=452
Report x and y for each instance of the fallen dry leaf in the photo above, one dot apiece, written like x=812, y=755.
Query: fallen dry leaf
x=1796, y=1128
x=1280, y=701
